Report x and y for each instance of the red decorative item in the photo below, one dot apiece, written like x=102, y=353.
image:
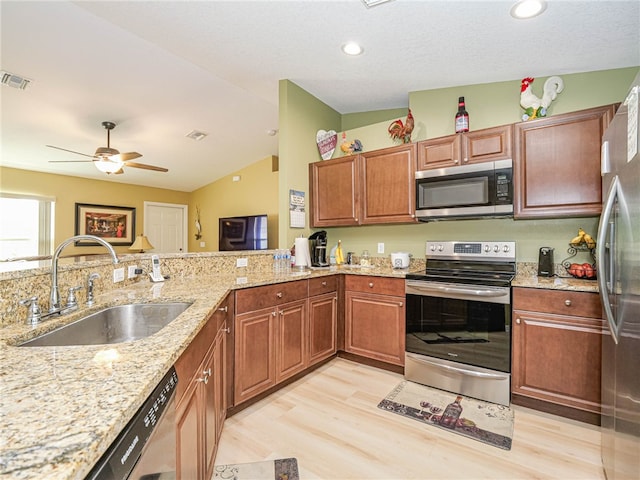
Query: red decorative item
x=402, y=131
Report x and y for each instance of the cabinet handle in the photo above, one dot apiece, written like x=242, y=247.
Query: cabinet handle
x=518, y=321
x=466, y=160
x=567, y=302
x=324, y=284
x=279, y=294
x=224, y=309
x=207, y=373
x=273, y=314
x=226, y=330
x=370, y=284
x=401, y=304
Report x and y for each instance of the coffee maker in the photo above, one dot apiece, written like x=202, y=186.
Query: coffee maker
x=318, y=249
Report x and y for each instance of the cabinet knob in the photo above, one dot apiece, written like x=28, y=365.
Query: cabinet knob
x=567, y=302
x=324, y=284
x=207, y=372
x=279, y=294
x=224, y=309
x=370, y=284
x=401, y=304
x=273, y=314
x=226, y=330
x=518, y=321
x=466, y=160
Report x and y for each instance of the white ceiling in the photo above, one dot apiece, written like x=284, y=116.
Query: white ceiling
x=160, y=69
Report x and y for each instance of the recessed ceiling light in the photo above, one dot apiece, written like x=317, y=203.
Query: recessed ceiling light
x=528, y=8
x=352, y=48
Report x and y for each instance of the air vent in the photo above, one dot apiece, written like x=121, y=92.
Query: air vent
x=15, y=81
x=373, y=3
x=196, y=135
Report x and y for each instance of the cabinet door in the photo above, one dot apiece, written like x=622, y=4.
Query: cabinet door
x=374, y=326
x=557, y=358
x=440, y=152
x=323, y=317
x=388, y=185
x=189, y=463
x=210, y=414
x=488, y=144
x=334, y=192
x=291, y=350
x=557, y=165
x=254, y=357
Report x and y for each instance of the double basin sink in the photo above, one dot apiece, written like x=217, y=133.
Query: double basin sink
x=117, y=324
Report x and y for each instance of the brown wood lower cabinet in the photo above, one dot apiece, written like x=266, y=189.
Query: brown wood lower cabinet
x=557, y=338
x=375, y=318
x=323, y=318
x=201, y=399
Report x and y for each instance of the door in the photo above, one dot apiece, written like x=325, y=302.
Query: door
x=165, y=226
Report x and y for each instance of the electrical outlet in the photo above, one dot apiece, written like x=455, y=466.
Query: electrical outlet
x=132, y=271
x=242, y=262
x=118, y=275
x=380, y=247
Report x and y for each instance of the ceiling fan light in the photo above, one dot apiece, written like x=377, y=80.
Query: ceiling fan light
x=106, y=166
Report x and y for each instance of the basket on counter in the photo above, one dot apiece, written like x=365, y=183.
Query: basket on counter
x=584, y=271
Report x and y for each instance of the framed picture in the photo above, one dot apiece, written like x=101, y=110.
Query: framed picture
x=116, y=225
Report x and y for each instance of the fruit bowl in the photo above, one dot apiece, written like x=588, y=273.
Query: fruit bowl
x=585, y=271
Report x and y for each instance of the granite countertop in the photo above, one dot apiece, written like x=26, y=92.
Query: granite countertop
x=61, y=407
x=527, y=276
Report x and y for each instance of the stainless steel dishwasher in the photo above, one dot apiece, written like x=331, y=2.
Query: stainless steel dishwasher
x=146, y=448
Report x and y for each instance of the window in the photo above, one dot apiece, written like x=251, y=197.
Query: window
x=26, y=227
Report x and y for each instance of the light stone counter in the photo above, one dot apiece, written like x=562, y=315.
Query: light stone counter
x=527, y=276
x=61, y=407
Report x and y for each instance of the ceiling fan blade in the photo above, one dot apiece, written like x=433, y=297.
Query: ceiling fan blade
x=71, y=151
x=123, y=157
x=119, y=171
x=146, y=167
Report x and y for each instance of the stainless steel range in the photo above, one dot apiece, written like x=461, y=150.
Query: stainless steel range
x=458, y=319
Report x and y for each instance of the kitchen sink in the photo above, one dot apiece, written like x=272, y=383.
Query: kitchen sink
x=121, y=323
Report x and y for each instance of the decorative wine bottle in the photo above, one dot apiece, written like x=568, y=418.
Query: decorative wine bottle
x=451, y=414
x=462, y=117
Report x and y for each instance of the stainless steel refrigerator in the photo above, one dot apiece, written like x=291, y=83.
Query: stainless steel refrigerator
x=618, y=259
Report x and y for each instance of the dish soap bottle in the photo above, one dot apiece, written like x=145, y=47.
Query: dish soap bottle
x=332, y=255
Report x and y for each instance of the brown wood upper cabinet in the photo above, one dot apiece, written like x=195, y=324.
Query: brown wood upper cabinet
x=472, y=147
x=557, y=164
x=369, y=188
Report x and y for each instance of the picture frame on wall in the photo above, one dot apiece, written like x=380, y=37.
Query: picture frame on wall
x=113, y=224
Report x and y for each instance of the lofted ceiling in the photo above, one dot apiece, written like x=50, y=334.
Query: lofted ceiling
x=160, y=69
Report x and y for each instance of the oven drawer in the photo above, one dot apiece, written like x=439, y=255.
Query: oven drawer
x=559, y=302
x=371, y=284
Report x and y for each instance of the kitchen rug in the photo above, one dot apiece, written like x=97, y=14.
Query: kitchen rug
x=281, y=469
x=483, y=421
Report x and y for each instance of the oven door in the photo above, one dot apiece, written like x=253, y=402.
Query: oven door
x=462, y=323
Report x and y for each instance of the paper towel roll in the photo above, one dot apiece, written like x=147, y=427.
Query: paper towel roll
x=303, y=257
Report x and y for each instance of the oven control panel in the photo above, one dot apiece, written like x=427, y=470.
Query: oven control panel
x=472, y=250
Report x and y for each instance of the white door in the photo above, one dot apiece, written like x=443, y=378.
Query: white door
x=165, y=225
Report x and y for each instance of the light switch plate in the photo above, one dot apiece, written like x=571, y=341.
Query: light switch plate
x=242, y=262
x=381, y=247
x=131, y=273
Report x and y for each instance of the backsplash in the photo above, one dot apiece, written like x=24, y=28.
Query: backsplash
x=20, y=285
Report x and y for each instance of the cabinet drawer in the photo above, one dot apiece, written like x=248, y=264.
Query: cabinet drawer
x=318, y=286
x=559, y=302
x=370, y=284
x=257, y=298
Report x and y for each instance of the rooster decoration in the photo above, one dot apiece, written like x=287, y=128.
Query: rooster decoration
x=401, y=131
x=535, y=107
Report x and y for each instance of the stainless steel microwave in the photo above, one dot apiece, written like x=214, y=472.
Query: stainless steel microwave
x=467, y=191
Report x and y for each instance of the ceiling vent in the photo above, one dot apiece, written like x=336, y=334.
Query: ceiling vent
x=373, y=3
x=196, y=135
x=14, y=81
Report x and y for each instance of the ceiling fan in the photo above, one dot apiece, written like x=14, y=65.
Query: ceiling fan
x=109, y=160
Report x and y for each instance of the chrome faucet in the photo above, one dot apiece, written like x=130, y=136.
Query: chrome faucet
x=54, y=298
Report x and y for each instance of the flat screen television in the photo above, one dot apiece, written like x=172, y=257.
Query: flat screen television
x=248, y=232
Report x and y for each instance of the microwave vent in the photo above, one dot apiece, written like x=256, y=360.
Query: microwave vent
x=13, y=80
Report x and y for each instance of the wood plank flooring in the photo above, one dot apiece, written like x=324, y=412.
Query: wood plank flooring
x=330, y=422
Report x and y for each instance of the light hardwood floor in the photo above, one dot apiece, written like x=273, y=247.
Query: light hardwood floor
x=330, y=422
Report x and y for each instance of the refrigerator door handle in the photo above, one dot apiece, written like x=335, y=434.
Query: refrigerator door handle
x=605, y=278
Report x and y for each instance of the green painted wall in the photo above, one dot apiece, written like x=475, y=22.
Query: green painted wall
x=488, y=105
